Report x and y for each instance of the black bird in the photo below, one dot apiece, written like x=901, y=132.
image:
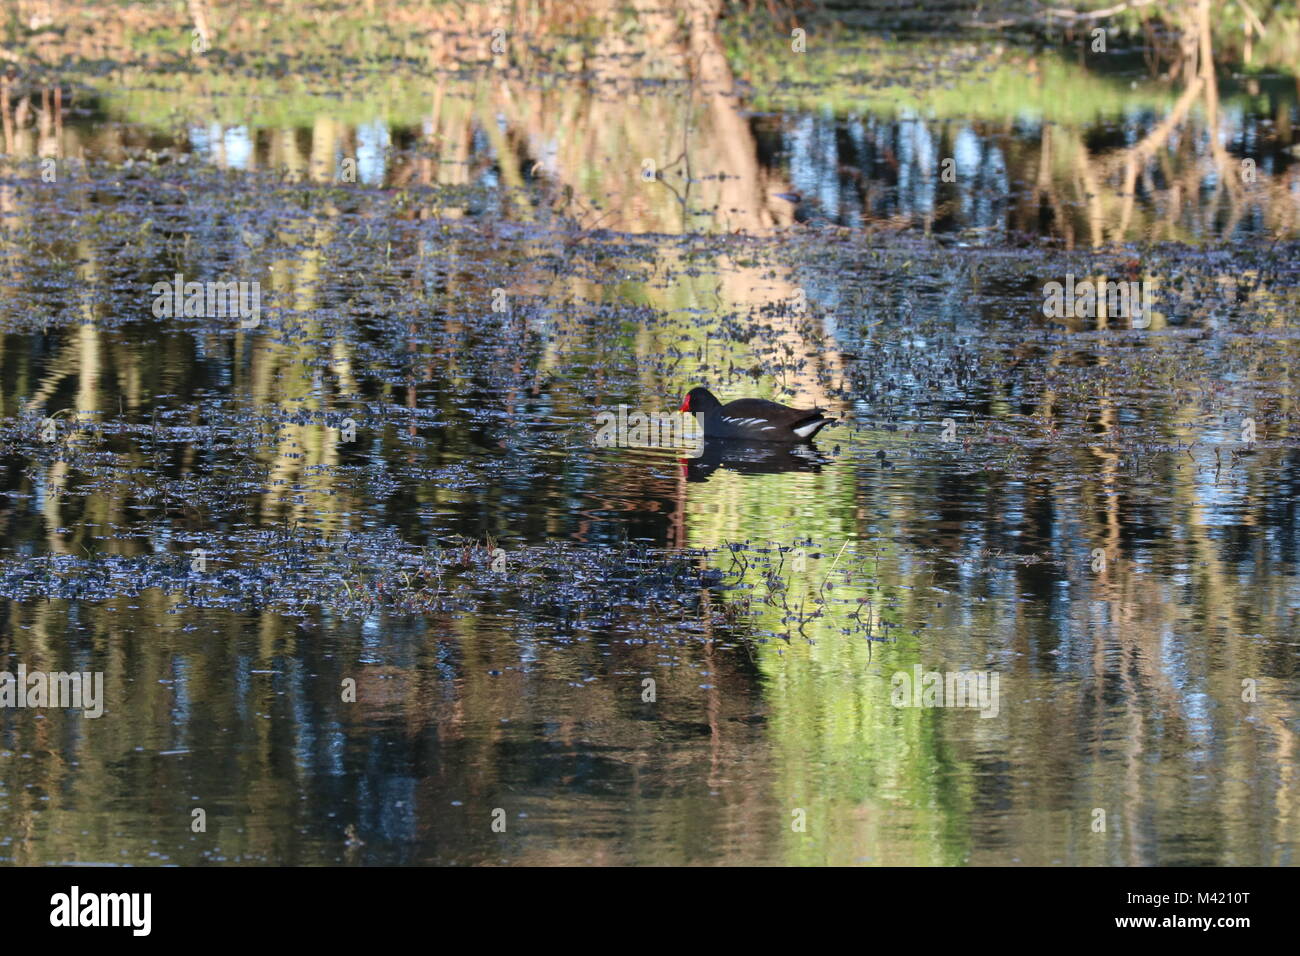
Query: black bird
x=754, y=419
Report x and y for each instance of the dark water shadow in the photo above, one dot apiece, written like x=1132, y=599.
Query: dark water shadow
x=754, y=458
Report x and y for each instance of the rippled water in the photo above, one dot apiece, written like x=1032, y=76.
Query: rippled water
x=1099, y=512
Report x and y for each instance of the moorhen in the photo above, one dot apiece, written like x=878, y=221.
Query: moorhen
x=754, y=419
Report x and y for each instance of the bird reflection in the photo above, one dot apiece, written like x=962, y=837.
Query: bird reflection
x=753, y=458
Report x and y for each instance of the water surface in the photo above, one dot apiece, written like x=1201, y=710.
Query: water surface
x=497, y=272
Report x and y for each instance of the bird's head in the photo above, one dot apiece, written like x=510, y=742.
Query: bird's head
x=699, y=399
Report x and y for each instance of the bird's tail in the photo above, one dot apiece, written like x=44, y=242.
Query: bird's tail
x=810, y=426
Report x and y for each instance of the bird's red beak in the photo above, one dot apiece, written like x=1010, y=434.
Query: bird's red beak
x=686, y=404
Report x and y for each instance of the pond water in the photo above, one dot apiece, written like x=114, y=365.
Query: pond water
x=363, y=587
